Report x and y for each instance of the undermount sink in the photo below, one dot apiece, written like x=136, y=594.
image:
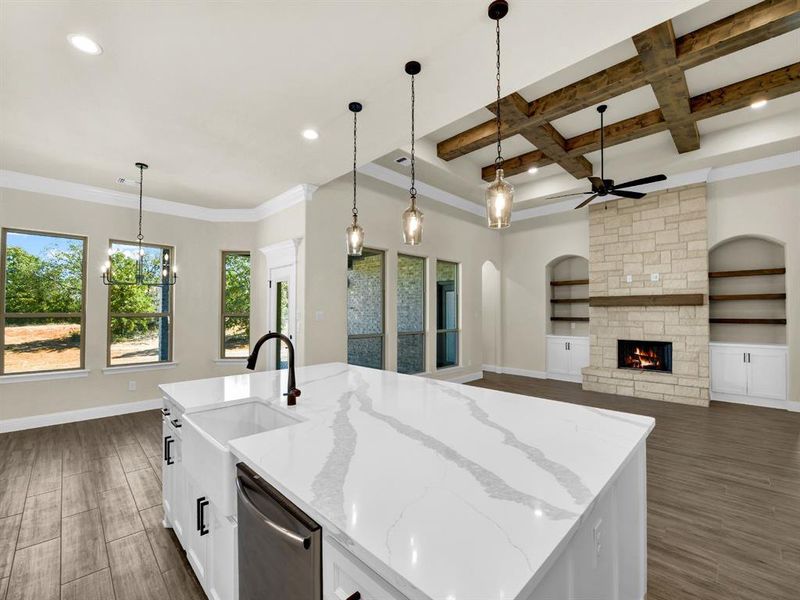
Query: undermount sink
x=206, y=457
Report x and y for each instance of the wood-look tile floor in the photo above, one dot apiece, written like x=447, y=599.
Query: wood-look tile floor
x=80, y=514
x=80, y=504
x=723, y=494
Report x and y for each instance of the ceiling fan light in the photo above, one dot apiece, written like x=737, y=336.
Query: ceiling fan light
x=412, y=225
x=499, y=202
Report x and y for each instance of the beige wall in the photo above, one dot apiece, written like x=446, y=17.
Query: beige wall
x=528, y=249
x=766, y=205
x=197, y=299
x=380, y=207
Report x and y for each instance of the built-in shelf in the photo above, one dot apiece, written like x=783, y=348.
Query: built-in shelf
x=733, y=297
x=748, y=321
x=568, y=300
x=747, y=273
x=648, y=300
x=575, y=319
x=570, y=282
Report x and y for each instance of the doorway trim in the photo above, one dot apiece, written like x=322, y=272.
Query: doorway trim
x=282, y=255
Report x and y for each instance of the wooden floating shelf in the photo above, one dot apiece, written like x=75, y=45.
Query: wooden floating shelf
x=731, y=297
x=576, y=319
x=746, y=273
x=749, y=321
x=648, y=300
x=570, y=282
x=568, y=300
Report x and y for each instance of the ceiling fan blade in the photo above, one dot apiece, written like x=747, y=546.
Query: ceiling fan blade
x=568, y=195
x=627, y=194
x=642, y=181
x=597, y=183
x=585, y=202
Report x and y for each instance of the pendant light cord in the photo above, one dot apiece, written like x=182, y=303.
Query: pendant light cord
x=499, y=160
x=413, y=190
x=602, y=144
x=355, y=133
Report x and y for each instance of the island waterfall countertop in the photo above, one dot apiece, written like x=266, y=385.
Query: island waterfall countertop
x=446, y=490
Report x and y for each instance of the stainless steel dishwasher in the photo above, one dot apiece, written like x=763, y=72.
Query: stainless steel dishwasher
x=280, y=547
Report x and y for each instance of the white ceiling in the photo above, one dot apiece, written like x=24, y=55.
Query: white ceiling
x=214, y=94
x=737, y=136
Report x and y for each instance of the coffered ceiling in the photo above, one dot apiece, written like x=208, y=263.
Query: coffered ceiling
x=214, y=95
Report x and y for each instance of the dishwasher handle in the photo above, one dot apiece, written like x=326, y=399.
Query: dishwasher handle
x=242, y=493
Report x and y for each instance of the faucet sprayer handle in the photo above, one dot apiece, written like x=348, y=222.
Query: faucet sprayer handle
x=291, y=396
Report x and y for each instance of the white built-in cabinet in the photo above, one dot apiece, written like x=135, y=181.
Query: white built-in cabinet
x=748, y=373
x=566, y=356
x=207, y=535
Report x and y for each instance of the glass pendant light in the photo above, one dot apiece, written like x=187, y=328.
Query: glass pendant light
x=499, y=193
x=169, y=272
x=355, y=233
x=412, y=216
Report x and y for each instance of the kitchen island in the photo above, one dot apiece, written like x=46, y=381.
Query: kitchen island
x=439, y=491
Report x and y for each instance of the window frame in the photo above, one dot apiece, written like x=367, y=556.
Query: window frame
x=424, y=329
x=170, y=314
x=382, y=334
x=4, y=231
x=223, y=314
x=457, y=329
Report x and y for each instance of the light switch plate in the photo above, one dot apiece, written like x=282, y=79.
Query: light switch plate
x=131, y=386
x=654, y=277
x=629, y=278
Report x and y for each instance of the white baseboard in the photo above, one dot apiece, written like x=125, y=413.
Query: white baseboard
x=763, y=402
x=492, y=368
x=523, y=372
x=83, y=414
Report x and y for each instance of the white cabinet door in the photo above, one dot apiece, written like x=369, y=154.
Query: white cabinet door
x=557, y=356
x=728, y=370
x=578, y=355
x=167, y=480
x=767, y=373
x=221, y=555
x=195, y=544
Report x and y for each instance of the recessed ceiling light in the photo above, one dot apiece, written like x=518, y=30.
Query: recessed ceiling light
x=310, y=134
x=758, y=104
x=533, y=170
x=85, y=44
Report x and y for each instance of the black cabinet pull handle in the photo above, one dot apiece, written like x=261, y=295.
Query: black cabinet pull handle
x=197, y=513
x=167, y=454
x=176, y=423
x=354, y=596
x=202, y=517
x=165, y=411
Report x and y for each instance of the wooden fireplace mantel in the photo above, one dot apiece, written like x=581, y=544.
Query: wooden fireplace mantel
x=649, y=300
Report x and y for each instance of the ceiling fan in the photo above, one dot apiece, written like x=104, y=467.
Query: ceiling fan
x=602, y=186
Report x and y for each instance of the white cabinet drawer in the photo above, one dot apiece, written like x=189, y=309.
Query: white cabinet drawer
x=344, y=575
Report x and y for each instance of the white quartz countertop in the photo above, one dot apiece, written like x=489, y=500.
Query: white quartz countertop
x=448, y=491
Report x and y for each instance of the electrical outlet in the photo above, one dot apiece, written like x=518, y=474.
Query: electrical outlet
x=131, y=386
x=597, y=532
x=319, y=315
x=629, y=278
x=654, y=277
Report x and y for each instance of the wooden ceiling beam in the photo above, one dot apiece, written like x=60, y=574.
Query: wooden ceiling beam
x=775, y=84
x=750, y=26
x=547, y=140
x=747, y=27
x=658, y=53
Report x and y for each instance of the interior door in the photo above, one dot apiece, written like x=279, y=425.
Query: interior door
x=280, y=309
x=767, y=373
x=728, y=370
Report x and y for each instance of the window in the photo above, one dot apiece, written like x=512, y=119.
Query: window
x=43, y=289
x=365, y=289
x=410, y=314
x=139, y=316
x=235, y=334
x=282, y=322
x=446, y=314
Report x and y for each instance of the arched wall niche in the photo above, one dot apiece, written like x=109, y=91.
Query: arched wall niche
x=744, y=253
x=568, y=305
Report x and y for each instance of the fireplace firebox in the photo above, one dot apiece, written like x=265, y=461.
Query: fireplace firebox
x=644, y=356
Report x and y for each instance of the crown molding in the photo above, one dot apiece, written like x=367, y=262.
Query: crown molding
x=88, y=193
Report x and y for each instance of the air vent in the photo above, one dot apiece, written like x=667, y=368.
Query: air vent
x=403, y=160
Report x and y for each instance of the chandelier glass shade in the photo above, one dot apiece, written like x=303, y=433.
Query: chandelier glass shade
x=412, y=216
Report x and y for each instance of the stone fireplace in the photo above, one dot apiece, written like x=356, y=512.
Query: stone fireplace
x=648, y=289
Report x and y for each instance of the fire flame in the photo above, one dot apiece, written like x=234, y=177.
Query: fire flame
x=643, y=359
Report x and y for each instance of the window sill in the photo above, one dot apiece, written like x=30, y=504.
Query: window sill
x=20, y=377
x=134, y=368
x=230, y=361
